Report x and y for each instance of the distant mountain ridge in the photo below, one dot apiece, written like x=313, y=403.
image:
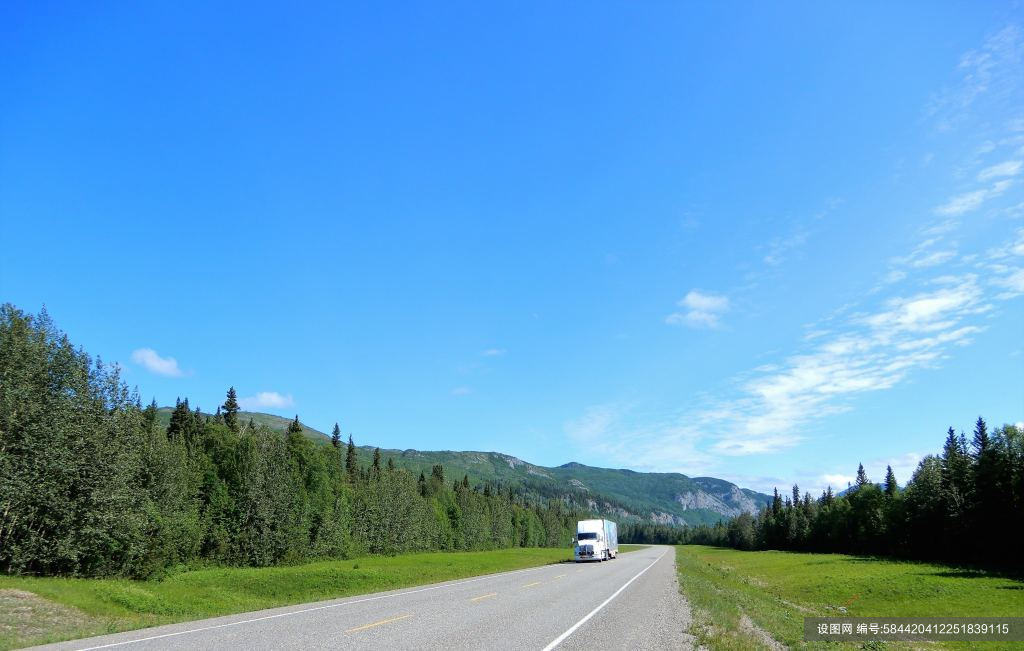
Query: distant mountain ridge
x=626, y=495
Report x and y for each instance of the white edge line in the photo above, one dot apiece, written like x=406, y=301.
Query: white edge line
x=561, y=638
x=307, y=610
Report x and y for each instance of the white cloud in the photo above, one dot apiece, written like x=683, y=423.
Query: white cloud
x=970, y=201
x=837, y=481
x=151, y=360
x=265, y=400
x=934, y=258
x=1012, y=282
x=462, y=391
x=703, y=310
x=494, y=352
x=1006, y=168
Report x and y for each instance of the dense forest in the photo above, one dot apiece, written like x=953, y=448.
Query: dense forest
x=965, y=505
x=91, y=485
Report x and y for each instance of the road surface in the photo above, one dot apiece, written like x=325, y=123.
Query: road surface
x=632, y=602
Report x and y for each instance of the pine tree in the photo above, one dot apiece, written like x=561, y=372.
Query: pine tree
x=294, y=427
x=862, y=477
x=890, y=482
x=376, y=462
x=336, y=436
x=980, y=443
x=465, y=481
x=149, y=416
x=391, y=464
x=351, y=462
x=231, y=410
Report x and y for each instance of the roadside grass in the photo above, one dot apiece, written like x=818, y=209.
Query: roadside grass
x=740, y=598
x=623, y=549
x=99, y=606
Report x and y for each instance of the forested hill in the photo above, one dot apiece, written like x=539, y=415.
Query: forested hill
x=664, y=498
x=667, y=498
x=163, y=418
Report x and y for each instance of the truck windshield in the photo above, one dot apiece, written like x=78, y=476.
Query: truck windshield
x=587, y=536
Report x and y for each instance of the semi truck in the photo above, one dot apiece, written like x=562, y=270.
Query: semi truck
x=596, y=540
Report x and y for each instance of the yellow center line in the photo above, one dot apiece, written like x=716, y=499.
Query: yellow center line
x=383, y=621
x=484, y=596
x=530, y=585
x=560, y=576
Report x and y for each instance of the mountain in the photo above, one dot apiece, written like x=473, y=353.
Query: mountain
x=624, y=495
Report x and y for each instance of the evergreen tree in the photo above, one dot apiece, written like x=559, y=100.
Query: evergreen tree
x=149, y=416
x=980, y=443
x=391, y=464
x=351, y=461
x=336, y=436
x=294, y=427
x=890, y=482
x=375, y=468
x=231, y=410
x=862, y=477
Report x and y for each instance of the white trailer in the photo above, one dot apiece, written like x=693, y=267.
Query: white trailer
x=596, y=540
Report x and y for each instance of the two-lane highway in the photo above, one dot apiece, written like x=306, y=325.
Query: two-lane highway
x=632, y=602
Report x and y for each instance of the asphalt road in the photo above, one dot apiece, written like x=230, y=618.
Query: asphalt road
x=632, y=602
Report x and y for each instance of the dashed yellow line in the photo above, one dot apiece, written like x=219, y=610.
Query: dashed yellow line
x=383, y=621
x=484, y=596
x=530, y=585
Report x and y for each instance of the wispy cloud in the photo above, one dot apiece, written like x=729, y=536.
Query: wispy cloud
x=494, y=352
x=1000, y=170
x=462, y=391
x=992, y=69
x=773, y=406
x=703, y=310
x=153, y=362
x=780, y=247
x=612, y=431
x=971, y=201
x=266, y=400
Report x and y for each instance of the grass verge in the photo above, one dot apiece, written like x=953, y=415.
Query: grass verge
x=740, y=598
x=623, y=549
x=41, y=610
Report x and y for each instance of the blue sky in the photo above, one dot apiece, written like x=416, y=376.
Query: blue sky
x=755, y=242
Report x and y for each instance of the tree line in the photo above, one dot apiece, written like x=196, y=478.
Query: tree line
x=963, y=505
x=92, y=485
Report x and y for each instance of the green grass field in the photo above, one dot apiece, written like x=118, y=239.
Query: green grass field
x=738, y=596
x=73, y=608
